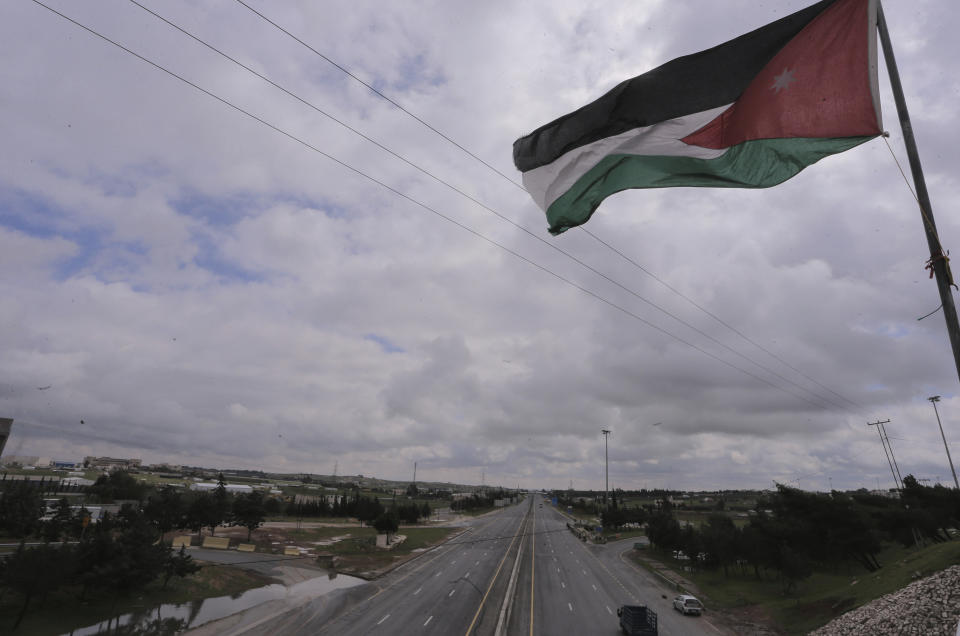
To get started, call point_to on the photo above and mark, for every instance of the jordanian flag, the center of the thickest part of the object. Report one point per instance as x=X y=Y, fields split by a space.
x=749 y=113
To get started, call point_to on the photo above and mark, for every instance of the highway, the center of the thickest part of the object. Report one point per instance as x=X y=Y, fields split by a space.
x=567 y=586
x=556 y=585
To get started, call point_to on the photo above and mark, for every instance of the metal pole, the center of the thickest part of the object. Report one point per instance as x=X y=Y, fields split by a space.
x=892 y=456
x=884 y=444
x=934 y=400
x=606 y=454
x=938 y=258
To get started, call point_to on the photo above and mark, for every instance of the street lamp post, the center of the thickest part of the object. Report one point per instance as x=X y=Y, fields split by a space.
x=934 y=400
x=606 y=456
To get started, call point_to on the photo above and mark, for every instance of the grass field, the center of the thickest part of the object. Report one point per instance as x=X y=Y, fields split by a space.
x=825 y=595
x=63 y=612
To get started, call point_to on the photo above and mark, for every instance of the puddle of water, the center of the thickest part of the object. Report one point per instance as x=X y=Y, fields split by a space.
x=170 y=619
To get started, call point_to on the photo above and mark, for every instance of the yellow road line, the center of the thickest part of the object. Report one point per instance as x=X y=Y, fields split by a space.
x=495 y=575
x=533 y=549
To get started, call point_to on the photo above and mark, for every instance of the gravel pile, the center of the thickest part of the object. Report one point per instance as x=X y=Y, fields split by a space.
x=928 y=606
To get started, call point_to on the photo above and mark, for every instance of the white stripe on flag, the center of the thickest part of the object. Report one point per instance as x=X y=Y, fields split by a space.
x=547 y=183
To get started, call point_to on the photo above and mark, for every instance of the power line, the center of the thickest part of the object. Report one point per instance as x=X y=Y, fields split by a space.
x=515 y=183
x=499 y=215
x=426 y=207
x=712 y=315
x=344 y=70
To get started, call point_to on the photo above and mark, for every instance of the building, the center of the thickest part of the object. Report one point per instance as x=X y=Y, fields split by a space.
x=231 y=488
x=111 y=464
x=6 y=423
x=76 y=481
x=26 y=460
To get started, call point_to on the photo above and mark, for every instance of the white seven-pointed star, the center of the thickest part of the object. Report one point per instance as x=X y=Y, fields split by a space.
x=783 y=80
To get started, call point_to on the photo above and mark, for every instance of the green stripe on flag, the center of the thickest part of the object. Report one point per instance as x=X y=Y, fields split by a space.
x=753 y=164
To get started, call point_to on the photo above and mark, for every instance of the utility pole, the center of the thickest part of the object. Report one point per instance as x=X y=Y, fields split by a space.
x=892 y=456
x=934 y=400
x=879 y=424
x=938 y=263
x=606 y=454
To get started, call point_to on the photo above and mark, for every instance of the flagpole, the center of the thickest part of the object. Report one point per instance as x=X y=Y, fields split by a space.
x=938 y=259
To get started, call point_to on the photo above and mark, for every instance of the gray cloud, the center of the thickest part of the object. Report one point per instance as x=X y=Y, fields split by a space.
x=200 y=289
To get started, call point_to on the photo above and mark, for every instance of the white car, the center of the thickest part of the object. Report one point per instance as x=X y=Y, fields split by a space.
x=686 y=604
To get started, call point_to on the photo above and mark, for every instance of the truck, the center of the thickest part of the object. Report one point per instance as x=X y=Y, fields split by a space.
x=637 y=620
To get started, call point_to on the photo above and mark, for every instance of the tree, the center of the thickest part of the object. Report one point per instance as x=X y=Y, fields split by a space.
x=664 y=531
x=220 y=505
x=412 y=490
x=54 y=528
x=272 y=506
x=140 y=557
x=721 y=539
x=33 y=571
x=119 y=484
x=367 y=510
x=386 y=524
x=249 y=511
x=794 y=567
x=200 y=512
x=613 y=517
x=166 y=510
x=21 y=508
x=178 y=564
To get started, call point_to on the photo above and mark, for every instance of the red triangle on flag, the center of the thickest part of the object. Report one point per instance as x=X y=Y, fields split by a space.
x=822 y=84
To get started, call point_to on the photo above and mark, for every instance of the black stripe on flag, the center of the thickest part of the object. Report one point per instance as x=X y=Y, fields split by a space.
x=686 y=85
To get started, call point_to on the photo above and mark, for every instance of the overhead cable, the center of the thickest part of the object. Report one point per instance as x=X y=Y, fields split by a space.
x=482 y=205
x=427 y=208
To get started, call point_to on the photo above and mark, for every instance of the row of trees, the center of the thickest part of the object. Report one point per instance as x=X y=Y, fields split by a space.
x=803 y=530
x=172 y=509
x=169 y=508
x=22 y=508
x=364 y=509
x=117 y=555
x=476 y=501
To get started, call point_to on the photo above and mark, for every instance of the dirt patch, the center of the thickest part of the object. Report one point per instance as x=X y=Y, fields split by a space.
x=226 y=581
x=749 y=620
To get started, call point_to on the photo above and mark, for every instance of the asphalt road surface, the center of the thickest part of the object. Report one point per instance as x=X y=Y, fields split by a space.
x=568 y=587
x=519 y=569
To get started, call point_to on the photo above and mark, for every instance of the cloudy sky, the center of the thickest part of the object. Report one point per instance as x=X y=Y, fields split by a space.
x=194 y=286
